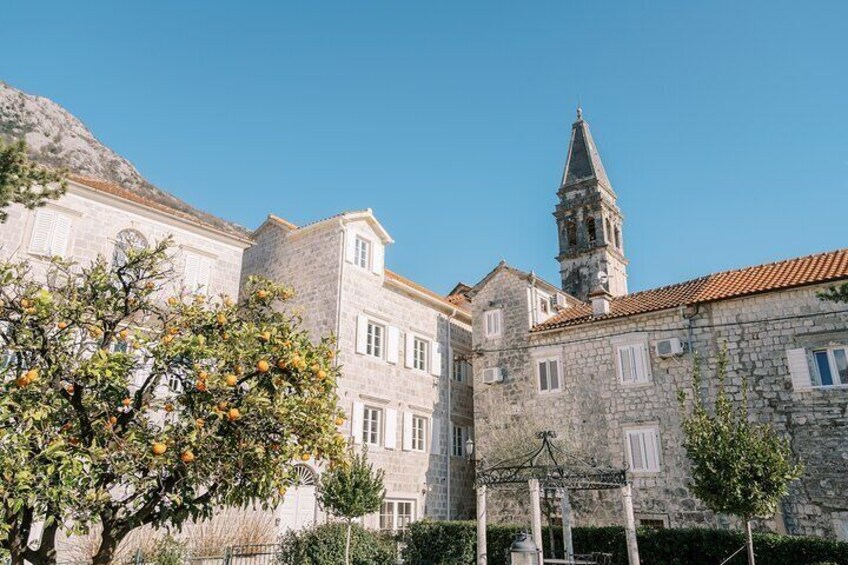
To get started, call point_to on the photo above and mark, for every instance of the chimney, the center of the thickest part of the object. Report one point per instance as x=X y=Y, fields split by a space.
x=600 y=298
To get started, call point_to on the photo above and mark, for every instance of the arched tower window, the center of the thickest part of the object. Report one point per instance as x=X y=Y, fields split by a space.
x=571 y=233
x=126 y=241
x=591 y=230
x=617 y=238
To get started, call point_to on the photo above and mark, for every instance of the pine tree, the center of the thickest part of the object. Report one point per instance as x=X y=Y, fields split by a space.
x=24 y=182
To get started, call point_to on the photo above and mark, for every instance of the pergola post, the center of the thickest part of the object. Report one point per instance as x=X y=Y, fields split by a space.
x=536 y=514
x=630 y=525
x=567 y=542
x=481 y=525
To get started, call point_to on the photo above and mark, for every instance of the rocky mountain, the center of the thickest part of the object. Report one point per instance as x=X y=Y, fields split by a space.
x=58 y=138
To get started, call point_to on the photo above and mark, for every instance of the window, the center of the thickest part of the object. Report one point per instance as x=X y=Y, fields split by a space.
x=50 y=233
x=419 y=433
x=457 y=441
x=831 y=366
x=395 y=515
x=634 y=363
x=545 y=305
x=461 y=369
x=549 y=375
x=591 y=230
x=371 y=425
x=374 y=340
x=419 y=354
x=643 y=449
x=125 y=242
x=618 y=238
x=493 y=321
x=571 y=233
x=198 y=269
x=609 y=231
x=656 y=523
x=362 y=252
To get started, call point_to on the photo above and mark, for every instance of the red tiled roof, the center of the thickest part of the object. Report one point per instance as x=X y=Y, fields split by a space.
x=791 y=273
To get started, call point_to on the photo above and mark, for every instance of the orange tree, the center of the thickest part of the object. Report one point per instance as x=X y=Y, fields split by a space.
x=123 y=407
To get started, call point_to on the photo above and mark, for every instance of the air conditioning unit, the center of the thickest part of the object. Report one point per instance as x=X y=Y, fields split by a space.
x=669 y=347
x=492 y=375
x=559 y=301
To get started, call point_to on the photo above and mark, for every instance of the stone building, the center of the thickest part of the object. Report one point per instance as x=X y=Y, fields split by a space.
x=404 y=352
x=605 y=372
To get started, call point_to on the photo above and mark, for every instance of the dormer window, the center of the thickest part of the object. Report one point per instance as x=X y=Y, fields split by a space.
x=362 y=252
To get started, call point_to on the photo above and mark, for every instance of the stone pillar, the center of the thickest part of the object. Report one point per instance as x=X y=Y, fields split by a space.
x=481 y=525
x=630 y=526
x=567 y=542
x=536 y=515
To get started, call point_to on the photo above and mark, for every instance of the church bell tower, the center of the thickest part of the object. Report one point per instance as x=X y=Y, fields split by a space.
x=591 y=244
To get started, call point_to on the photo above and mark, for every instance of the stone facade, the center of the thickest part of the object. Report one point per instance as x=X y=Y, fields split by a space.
x=339 y=296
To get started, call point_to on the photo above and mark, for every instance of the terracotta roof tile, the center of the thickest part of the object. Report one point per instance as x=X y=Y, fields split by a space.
x=813 y=269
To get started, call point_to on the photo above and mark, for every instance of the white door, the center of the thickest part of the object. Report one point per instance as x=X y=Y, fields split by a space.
x=298 y=509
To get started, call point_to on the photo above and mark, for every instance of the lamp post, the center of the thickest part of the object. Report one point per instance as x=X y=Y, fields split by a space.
x=523 y=550
x=469 y=449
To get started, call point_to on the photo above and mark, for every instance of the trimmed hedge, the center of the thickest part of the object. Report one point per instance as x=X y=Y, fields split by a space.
x=324 y=544
x=454 y=543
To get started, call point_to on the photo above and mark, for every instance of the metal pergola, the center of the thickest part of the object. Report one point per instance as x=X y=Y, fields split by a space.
x=550 y=467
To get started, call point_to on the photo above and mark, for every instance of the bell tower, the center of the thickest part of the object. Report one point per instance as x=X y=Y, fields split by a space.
x=589 y=222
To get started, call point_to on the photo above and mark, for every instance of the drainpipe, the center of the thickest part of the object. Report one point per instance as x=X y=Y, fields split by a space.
x=339 y=298
x=449 y=424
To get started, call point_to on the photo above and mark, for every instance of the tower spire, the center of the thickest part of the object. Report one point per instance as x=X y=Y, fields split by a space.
x=583 y=162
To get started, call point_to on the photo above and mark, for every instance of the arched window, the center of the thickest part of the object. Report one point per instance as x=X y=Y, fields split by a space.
x=126 y=241
x=571 y=233
x=591 y=229
x=303 y=476
x=618 y=238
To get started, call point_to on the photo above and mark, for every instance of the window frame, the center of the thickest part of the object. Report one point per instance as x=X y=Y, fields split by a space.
x=362 y=248
x=372 y=425
x=495 y=314
x=419 y=433
x=650 y=467
x=464 y=369
x=457 y=441
x=390 y=512
x=547 y=361
x=375 y=345
x=833 y=367
x=420 y=353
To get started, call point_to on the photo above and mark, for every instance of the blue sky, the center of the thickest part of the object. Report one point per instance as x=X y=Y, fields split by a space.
x=723 y=125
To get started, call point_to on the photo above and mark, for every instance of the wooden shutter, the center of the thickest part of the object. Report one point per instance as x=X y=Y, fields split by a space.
x=554 y=374
x=390 y=437
x=542 y=367
x=407 y=431
x=350 y=246
x=204 y=272
x=435 y=436
x=635 y=444
x=361 y=333
x=392 y=344
x=191 y=269
x=61 y=235
x=623 y=363
x=638 y=359
x=435 y=359
x=377 y=251
x=42 y=227
x=652 y=450
x=799 y=369
x=646 y=362
x=409 y=351
x=356 y=422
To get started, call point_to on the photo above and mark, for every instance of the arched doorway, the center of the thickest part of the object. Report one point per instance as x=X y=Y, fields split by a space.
x=298 y=510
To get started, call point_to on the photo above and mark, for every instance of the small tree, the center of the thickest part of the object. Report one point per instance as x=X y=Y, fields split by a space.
x=352 y=490
x=25 y=182
x=837 y=293
x=738 y=467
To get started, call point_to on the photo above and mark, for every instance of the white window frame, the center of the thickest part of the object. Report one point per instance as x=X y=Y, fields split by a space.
x=362 y=252
x=832 y=365
x=635 y=373
x=493 y=323
x=647 y=438
x=419 y=433
x=390 y=512
x=56 y=242
x=199 y=280
x=458 y=436
x=375 y=341
x=461 y=368
x=547 y=362
x=372 y=425
x=420 y=353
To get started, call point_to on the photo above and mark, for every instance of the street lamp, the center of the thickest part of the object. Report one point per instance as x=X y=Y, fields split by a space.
x=523 y=551
x=469 y=448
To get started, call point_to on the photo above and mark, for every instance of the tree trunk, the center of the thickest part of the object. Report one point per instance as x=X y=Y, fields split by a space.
x=18 y=536
x=749 y=538
x=110 y=538
x=347 y=542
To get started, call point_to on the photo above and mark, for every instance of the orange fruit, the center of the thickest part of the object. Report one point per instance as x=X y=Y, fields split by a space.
x=173 y=331
x=222 y=405
x=281 y=364
x=168 y=339
x=22 y=381
x=126 y=402
x=202 y=375
x=233 y=414
x=25 y=303
x=159 y=448
x=30 y=310
x=70 y=389
x=169 y=407
x=282 y=491
x=199 y=422
x=32 y=375
x=200 y=386
x=62 y=325
x=123 y=334
x=262 y=294
x=73 y=441
x=221 y=319
x=265 y=336
x=263 y=366
x=305 y=457
x=340 y=421
x=186 y=457
x=321 y=374
x=172 y=301
x=112 y=420
x=231 y=380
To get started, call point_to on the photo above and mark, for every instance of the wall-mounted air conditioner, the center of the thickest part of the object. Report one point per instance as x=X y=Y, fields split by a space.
x=669 y=347
x=492 y=375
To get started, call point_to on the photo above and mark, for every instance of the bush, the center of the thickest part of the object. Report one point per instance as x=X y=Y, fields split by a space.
x=455 y=543
x=325 y=544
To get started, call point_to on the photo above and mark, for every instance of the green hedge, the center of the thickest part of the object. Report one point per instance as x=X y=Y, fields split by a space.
x=454 y=543
x=324 y=544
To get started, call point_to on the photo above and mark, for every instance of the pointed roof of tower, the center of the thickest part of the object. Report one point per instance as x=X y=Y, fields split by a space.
x=583 y=162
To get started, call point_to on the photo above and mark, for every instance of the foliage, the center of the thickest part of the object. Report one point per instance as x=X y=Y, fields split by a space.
x=127 y=403
x=738 y=467
x=454 y=543
x=353 y=489
x=837 y=293
x=326 y=544
x=169 y=551
x=24 y=182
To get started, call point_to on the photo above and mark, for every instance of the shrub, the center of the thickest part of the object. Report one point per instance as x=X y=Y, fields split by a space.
x=325 y=544
x=455 y=543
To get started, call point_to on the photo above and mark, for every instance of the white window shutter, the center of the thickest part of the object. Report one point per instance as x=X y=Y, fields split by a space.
x=392 y=345
x=41 y=229
x=361 y=333
x=799 y=369
x=653 y=443
x=204 y=272
x=435 y=436
x=622 y=357
x=61 y=235
x=409 y=353
x=350 y=246
x=356 y=422
x=390 y=437
x=635 y=447
x=638 y=359
x=436 y=359
x=191 y=269
x=407 y=431
x=646 y=362
x=377 y=252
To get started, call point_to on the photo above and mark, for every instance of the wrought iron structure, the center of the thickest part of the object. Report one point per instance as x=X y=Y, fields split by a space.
x=553 y=468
